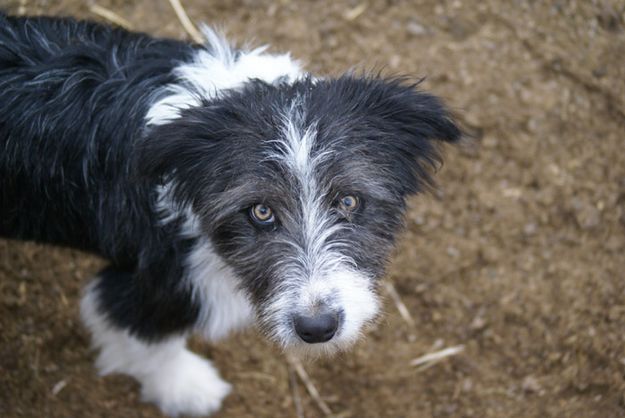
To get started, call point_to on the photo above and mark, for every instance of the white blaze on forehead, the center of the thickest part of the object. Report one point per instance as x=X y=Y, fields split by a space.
x=296 y=153
x=218 y=67
x=298 y=148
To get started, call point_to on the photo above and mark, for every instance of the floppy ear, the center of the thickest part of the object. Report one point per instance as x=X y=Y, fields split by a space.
x=404 y=126
x=186 y=151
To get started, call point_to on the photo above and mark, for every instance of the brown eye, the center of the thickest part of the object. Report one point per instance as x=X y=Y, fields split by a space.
x=349 y=203
x=262 y=214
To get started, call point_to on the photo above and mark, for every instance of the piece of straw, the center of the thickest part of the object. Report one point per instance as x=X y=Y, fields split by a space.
x=352 y=14
x=186 y=22
x=310 y=387
x=401 y=307
x=110 y=16
x=428 y=360
x=297 y=400
x=58 y=387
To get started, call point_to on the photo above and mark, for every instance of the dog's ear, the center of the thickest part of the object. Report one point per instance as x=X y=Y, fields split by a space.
x=403 y=125
x=187 y=151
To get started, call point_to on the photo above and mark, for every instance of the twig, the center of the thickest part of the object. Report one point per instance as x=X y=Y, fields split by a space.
x=297 y=400
x=353 y=14
x=401 y=307
x=58 y=387
x=258 y=376
x=428 y=360
x=110 y=16
x=310 y=387
x=186 y=22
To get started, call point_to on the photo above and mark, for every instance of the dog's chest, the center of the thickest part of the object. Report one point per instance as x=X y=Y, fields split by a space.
x=223 y=306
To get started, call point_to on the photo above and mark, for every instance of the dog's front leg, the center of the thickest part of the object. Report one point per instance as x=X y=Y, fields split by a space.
x=171 y=376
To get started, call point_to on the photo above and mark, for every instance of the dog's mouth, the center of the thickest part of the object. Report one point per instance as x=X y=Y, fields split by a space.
x=322 y=334
x=302 y=349
x=320 y=316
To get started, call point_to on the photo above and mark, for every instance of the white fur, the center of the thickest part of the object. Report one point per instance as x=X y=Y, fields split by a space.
x=215 y=69
x=186 y=384
x=223 y=306
x=177 y=380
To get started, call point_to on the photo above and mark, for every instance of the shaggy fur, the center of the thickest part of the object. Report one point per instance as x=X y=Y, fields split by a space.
x=153 y=153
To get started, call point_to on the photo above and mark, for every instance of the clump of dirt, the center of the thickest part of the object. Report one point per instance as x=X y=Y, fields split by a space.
x=518 y=256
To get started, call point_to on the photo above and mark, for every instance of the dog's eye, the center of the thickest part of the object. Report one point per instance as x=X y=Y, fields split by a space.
x=262 y=214
x=348 y=203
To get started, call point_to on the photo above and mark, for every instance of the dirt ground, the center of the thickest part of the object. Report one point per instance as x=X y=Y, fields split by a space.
x=519 y=256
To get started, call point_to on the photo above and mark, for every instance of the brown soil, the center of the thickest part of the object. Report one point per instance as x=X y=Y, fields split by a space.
x=518 y=256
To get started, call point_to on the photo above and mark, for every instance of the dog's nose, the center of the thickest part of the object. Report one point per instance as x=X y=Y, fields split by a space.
x=318 y=328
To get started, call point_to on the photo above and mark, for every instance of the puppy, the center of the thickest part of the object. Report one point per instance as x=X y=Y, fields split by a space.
x=226 y=187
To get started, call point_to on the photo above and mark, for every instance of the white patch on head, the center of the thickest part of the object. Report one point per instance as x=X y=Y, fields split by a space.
x=171 y=376
x=216 y=68
x=320 y=274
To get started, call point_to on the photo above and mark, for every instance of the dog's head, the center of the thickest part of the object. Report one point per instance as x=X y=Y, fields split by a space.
x=301 y=187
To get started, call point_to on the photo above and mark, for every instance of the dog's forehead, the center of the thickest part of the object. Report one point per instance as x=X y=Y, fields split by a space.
x=293 y=154
x=282 y=141
x=267 y=109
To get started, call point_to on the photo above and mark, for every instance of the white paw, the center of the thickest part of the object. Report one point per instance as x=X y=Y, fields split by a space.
x=187 y=385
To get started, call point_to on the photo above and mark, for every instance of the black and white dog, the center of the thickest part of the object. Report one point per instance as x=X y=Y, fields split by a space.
x=226 y=187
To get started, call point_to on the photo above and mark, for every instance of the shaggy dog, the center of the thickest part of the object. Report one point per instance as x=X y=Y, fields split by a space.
x=226 y=187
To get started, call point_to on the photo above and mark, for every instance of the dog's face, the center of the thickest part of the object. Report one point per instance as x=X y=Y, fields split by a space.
x=301 y=188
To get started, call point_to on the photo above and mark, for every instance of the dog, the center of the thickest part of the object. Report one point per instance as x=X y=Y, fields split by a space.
x=226 y=187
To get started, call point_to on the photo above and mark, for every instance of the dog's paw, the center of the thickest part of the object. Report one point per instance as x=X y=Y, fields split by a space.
x=187 y=385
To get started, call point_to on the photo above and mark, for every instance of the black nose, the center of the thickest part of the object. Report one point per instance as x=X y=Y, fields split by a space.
x=318 y=328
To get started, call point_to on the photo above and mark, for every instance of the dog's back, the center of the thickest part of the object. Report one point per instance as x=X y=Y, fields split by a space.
x=73 y=97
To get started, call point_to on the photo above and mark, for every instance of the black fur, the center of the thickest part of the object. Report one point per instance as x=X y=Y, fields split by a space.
x=73 y=96
x=79 y=168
